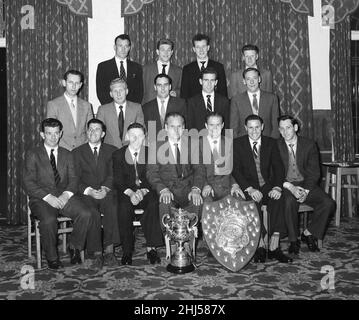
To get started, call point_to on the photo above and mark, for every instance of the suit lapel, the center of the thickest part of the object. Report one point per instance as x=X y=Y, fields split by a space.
x=299 y=156
x=89 y=156
x=68 y=113
x=284 y=153
x=262 y=105
x=247 y=103
x=80 y=115
x=45 y=160
x=114 y=120
x=129 y=117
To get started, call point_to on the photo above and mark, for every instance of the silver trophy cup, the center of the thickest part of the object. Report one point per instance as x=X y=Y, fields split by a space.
x=181 y=228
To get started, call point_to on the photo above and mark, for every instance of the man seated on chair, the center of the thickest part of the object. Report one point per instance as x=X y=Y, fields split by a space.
x=258 y=169
x=134 y=192
x=93 y=164
x=301 y=160
x=51 y=184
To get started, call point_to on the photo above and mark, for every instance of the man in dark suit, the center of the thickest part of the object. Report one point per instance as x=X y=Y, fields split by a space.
x=258 y=169
x=162 y=65
x=119 y=114
x=93 y=164
x=301 y=160
x=120 y=67
x=135 y=192
x=71 y=110
x=51 y=184
x=174 y=176
x=190 y=85
x=250 y=55
x=206 y=102
x=164 y=103
x=254 y=101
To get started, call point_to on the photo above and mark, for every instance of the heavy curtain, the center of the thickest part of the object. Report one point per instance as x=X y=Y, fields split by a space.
x=341 y=96
x=36 y=61
x=274 y=26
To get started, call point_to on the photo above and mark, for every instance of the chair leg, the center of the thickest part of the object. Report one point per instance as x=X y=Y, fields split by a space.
x=64 y=238
x=349 y=190
x=320 y=244
x=38 y=246
x=29 y=236
x=338 y=196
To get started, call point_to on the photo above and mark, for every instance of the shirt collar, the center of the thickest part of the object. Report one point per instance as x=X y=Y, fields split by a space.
x=200 y=64
x=95 y=145
x=119 y=60
x=166 y=100
x=159 y=64
x=48 y=149
x=69 y=99
x=123 y=105
x=293 y=142
x=259 y=141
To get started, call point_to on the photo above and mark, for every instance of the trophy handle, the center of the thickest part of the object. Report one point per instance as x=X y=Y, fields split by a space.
x=195 y=221
x=165 y=217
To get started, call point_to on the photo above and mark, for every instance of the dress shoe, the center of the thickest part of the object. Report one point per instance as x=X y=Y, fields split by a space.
x=75 y=256
x=310 y=241
x=126 y=259
x=260 y=255
x=110 y=260
x=294 y=247
x=153 y=256
x=97 y=263
x=55 y=264
x=279 y=255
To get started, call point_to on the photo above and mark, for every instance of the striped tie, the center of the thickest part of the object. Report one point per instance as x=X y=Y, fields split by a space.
x=255 y=151
x=209 y=103
x=54 y=169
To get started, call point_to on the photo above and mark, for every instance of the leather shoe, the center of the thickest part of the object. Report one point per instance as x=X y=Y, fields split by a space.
x=97 y=262
x=55 y=264
x=260 y=255
x=153 y=256
x=110 y=260
x=294 y=247
x=279 y=255
x=75 y=256
x=126 y=259
x=310 y=241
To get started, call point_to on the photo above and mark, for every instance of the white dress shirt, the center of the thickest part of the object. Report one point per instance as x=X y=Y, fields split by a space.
x=250 y=96
x=72 y=101
x=118 y=63
x=205 y=94
x=123 y=109
x=160 y=67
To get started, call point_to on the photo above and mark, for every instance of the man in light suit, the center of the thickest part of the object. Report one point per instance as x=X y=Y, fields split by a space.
x=254 y=101
x=51 y=183
x=206 y=102
x=122 y=67
x=250 y=54
x=93 y=165
x=71 y=110
x=156 y=109
x=119 y=114
x=163 y=65
x=190 y=85
x=302 y=167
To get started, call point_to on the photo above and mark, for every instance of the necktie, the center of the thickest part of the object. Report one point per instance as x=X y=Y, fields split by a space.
x=120 y=122
x=291 y=148
x=73 y=109
x=202 y=67
x=164 y=68
x=163 y=113
x=215 y=151
x=255 y=103
x=122 y=71
x=138 y=182
x=54 y=169
x=95 y=154
x=178 y=161
x=209 y=103
x=255 y=151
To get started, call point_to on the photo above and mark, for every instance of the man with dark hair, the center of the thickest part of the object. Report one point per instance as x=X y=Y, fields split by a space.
x=254 y=101
x=119 y=114
x=250 y=55
x=120 y=67
x=134 y=192
x=258 y=169
x=71 y=110
x=302 y=168
x=162 y=65
x=156 y=109
x=207 y=102
x=51 y=184
x=190 y=85
x=93 y=165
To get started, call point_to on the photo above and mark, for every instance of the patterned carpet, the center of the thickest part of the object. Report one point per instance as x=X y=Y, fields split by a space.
x=274 y=281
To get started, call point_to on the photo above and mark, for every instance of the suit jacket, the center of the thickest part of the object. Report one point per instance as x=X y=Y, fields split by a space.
x=90 y=174
x=151 y=113
x=236 y=84
x=73 y=136
x=307 y=158
x=244 y=167
x=197 y=111
x=107 y=114
x=190 y=85
x=150 y=71
x=124 y=173
x=220 y=183
x=39 y=178
x=107 y=71
x=268 y=110
x=162 y=172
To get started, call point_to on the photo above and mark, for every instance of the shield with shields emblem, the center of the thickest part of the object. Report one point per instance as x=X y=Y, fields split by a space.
x=231 y=228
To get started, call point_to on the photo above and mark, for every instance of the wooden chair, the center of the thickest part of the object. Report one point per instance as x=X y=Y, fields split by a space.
x=33 y=231
x=303 y=208
x=138 y=214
